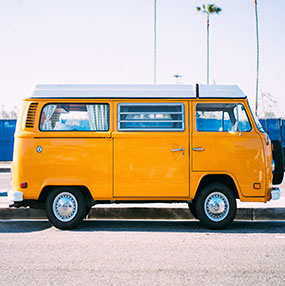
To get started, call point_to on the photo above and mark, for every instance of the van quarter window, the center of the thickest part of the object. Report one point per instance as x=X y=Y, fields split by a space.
x=221 y=117
x=75 y=117
x=151 y=117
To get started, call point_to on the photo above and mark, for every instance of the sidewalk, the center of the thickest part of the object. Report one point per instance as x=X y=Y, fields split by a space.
x=273 y=210
x=5 y=167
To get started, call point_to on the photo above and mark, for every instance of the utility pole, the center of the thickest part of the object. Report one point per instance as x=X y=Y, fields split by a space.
x=154 y=56
x=208 y=47
x=257 y=58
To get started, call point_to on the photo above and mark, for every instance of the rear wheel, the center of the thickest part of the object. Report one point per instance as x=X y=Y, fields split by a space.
x=65 y=207
x=216 y=206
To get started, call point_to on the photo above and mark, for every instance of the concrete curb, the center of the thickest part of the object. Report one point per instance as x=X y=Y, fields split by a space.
x=5 y=169
x=146 y=213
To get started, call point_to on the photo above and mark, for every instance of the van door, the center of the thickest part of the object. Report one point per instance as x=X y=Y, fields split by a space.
x=151 y=150
x=225 y=142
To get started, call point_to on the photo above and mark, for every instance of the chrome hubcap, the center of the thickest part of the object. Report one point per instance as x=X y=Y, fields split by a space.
x=65 y=207
x=216 y=206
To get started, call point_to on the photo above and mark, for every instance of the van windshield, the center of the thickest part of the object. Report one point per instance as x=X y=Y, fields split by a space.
x=257 y=122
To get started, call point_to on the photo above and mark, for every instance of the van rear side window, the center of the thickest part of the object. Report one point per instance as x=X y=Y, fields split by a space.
x=75 y=117
x=151 y=117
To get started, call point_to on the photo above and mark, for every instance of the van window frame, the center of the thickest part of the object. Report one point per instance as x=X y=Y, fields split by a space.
x=182 y=129
x=223 y=131
x=83 y=103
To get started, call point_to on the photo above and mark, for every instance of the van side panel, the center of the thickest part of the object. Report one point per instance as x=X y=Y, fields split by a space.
x=66 y=162
x=75 y=161
x=145 y=166
x=61 y=159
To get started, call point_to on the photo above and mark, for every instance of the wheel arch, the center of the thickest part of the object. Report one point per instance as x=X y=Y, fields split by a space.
x=86 y=192
x=218 y=178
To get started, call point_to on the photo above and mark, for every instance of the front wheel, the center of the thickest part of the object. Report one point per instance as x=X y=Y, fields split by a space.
x=65 y=207
x=216 y=206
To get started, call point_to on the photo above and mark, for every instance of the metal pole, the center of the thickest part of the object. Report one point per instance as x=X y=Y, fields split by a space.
x=208 y=46
x=154 y=71
x=257 y=59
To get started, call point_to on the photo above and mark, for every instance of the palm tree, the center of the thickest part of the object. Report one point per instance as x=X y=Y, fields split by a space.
x=208 y=9
x=257 y=57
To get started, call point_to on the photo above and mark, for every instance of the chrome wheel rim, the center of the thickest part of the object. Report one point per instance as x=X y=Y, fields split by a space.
x=65 y=207
x=216 y=206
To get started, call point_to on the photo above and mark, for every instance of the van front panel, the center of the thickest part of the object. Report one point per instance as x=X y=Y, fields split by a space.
x=225 y=141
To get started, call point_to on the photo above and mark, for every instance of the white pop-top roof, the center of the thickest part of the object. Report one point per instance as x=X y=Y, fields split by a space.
x=136 y=91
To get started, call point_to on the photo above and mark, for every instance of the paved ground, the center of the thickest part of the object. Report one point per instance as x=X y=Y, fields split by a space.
x=5 y=181
x=142 y=253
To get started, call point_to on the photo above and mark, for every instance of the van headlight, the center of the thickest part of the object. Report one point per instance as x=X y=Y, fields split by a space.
x=273 y=166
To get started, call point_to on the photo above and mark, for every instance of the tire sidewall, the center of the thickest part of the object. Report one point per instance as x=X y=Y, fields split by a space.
x=192 y=209
x=205 y=192
x=81 y=210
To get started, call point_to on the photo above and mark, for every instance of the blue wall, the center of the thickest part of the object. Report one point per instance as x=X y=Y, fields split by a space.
x=7 y=130
x=275 y=128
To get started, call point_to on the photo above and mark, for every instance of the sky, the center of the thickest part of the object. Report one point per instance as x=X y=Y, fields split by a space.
x=111 y=41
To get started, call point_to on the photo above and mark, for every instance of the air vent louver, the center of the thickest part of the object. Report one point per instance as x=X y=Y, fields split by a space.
x=31 y=115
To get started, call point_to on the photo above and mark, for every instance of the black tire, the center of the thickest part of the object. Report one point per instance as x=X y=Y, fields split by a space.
x=192 y=208
x=283 y=149
x=278 y=158
x=216 y=218
x=65 y=207
x=87 y=211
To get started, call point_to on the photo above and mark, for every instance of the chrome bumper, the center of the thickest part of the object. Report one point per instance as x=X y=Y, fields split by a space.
x=275 y=194
x=15 y=196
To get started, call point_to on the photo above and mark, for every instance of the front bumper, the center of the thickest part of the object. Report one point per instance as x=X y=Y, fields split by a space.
x=275 y=194
x=15 y=196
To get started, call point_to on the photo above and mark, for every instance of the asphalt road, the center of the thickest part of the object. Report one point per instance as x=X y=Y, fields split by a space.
x=142 y=253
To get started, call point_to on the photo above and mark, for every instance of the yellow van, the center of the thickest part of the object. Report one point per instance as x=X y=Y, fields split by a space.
x=81 y=145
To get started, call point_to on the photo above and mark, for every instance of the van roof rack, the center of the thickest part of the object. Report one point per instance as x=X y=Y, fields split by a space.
x=122 y=91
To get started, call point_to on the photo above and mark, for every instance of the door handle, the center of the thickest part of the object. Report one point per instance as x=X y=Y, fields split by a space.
x=177 y=150
x=198 y=149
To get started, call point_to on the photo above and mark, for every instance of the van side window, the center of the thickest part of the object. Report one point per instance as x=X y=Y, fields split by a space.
x=151 y=117
x=75 y=117
x=221 y=117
